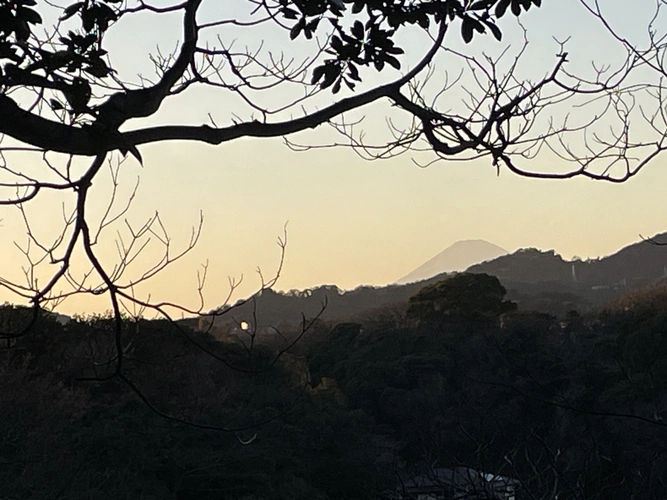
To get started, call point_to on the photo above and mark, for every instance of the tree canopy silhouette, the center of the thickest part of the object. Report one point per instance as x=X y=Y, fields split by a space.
x=70 y=73
x=466 y=298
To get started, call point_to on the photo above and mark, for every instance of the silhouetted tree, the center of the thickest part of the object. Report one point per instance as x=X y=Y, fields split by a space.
x=465 y=298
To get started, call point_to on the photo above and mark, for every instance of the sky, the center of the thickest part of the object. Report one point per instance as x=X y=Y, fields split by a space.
x=349 y=221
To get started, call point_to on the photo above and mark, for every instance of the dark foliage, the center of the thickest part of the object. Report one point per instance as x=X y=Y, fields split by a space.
x=570 y=406
x=469 y=299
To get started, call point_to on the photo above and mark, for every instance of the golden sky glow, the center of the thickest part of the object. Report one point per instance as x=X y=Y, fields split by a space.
x=351 y=221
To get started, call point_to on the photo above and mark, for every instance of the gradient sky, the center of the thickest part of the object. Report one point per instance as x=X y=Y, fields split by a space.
x=351 y=221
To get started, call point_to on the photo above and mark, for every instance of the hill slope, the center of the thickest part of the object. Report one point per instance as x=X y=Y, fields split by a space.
x=637 y=264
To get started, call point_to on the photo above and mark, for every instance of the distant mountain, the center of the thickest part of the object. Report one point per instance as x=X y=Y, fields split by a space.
x=458 y=257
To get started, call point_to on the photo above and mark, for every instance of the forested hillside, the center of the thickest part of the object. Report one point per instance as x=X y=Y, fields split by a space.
x=535 y=279
x=569 y=406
